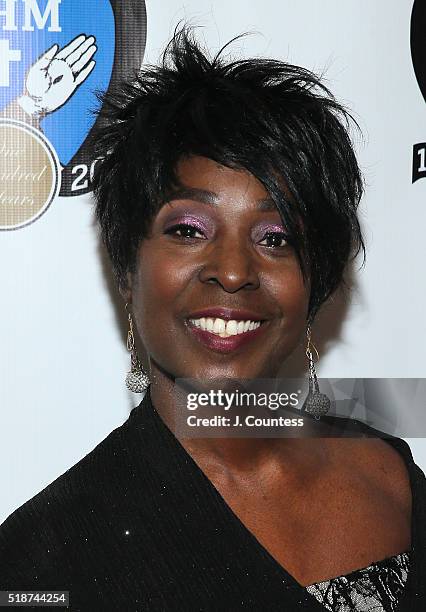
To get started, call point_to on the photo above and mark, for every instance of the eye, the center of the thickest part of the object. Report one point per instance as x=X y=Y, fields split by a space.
x=186 y=231
x=276 y=240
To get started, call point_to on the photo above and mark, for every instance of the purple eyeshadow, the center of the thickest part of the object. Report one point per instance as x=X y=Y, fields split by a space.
x=268 y=228
x=273 y=228
x=206 y=225
x=202 y=224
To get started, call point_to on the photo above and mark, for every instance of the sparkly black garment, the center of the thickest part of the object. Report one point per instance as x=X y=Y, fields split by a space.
x=137 y=526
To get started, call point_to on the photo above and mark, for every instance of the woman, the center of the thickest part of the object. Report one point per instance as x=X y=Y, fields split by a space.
x=226 y=193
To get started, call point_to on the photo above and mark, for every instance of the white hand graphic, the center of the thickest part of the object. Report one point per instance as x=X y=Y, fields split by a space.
x=55 y=76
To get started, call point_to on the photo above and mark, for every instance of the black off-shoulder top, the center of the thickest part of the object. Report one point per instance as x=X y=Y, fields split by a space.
x=136 y=525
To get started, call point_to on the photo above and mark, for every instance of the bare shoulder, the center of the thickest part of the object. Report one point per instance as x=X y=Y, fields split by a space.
x=380 y=465
x=387 y=467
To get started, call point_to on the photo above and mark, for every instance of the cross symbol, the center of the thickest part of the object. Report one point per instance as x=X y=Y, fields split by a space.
x=7 y=55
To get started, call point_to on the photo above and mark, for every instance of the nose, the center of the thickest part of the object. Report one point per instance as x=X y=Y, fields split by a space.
x=230 y=262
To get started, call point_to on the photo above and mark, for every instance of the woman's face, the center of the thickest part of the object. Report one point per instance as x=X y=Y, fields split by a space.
x=218 y=244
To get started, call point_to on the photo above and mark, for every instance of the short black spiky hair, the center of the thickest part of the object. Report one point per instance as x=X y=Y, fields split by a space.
x=276 y=120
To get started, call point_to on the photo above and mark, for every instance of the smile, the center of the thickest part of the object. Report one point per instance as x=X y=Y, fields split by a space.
x=222 y=335
x=225 y=328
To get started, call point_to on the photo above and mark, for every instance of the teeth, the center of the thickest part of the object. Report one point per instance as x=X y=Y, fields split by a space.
x=231 y=328
x=223 y=328
x=219 y=326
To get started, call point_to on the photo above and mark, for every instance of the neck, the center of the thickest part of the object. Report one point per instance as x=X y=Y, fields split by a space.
x=296 y=457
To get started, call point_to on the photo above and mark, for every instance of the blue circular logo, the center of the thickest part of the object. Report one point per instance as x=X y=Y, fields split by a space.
x=54 y=56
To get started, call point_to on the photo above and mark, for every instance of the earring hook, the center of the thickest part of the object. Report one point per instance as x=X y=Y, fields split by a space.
x=310 y=345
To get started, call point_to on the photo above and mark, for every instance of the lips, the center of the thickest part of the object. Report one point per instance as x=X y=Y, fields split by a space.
x=224 y=345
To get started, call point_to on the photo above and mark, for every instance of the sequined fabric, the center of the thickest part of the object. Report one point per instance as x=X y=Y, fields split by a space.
x=376 y=588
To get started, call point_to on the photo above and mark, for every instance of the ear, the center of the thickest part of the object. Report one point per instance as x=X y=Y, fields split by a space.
x=125 y=289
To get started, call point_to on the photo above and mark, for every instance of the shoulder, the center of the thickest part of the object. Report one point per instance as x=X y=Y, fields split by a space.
x=392 y=460
x=386 y=464
x=373 y=445
x=387 y=469
x=38 y=539
x=382 y=461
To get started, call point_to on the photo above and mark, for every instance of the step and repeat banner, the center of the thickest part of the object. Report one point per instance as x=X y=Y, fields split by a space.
x=62 y=323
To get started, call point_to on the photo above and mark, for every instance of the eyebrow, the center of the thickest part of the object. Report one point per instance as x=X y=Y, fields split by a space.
x=211 y=198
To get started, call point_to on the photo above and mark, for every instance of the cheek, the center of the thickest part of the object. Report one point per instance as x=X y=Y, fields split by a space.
x=156 y=286
x=292 y=295
x=295 y=297
x=289 y=290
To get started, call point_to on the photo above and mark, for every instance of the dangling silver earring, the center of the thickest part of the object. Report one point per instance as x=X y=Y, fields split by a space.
x=137 y=380
x=316 y=403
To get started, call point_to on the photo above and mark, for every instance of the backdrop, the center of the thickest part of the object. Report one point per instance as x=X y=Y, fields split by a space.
x=63 y=355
